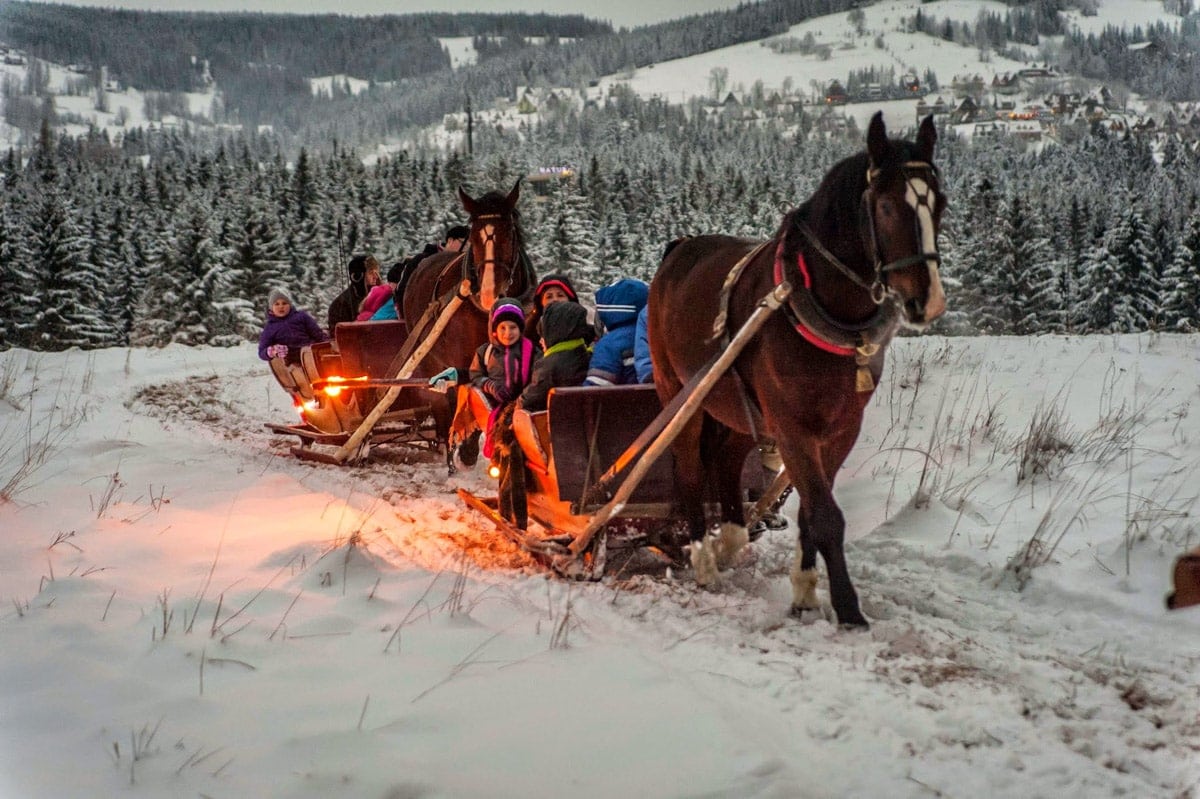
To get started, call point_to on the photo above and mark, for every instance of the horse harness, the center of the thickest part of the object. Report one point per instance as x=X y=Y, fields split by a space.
x=810 y=320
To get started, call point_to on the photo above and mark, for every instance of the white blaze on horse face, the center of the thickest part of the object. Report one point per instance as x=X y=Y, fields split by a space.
x=487 y=281
x=921 y=200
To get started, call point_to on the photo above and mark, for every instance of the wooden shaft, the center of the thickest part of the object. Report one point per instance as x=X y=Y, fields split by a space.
x=766 y=306
x=364 y=428
x=773 y=492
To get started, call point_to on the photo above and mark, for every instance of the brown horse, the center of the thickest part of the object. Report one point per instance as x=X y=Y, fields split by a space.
x=494 y=264
x=861 y=258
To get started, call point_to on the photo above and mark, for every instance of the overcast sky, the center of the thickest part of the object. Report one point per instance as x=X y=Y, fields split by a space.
x=621 y=13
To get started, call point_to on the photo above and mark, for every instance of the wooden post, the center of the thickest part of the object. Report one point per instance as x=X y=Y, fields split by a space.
x=418 y=355
x=766 y=306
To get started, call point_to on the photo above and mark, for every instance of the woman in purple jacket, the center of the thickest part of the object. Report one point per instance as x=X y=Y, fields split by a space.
x=288 y=329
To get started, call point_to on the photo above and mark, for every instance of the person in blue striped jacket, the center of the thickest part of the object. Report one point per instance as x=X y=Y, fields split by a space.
x=617 y=308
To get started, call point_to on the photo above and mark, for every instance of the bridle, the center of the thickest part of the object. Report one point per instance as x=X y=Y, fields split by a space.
x=472 y=268
x=920 y=179
x=488 y=230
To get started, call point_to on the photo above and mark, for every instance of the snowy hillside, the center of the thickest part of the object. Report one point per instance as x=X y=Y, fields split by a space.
x=850 y=49
x=882 y=40
x=191 y=611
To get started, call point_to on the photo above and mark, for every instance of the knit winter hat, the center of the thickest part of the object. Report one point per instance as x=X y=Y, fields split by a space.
x=359 y=266
x=394 y=274
x=279 y=293
x=506 y=309
x=555 y=281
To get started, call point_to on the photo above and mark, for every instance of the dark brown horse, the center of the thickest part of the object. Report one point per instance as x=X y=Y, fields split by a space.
x=494 y=264
x=861 y=258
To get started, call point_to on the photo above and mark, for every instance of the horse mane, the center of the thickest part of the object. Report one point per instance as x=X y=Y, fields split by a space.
x=838 y=199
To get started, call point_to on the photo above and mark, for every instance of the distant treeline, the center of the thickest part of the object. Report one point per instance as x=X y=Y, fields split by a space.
x=260 y=61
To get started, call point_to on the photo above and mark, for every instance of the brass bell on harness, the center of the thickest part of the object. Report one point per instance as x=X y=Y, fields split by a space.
x=863 y=381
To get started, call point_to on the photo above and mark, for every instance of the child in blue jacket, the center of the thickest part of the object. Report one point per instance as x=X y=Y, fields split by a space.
x=617 y=307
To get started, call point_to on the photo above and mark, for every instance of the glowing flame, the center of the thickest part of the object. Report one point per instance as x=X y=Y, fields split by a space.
x=311 y=405
x=494 y=472
x=333 y=391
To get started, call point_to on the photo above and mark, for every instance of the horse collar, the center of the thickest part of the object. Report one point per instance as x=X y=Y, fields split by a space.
x=817 y=327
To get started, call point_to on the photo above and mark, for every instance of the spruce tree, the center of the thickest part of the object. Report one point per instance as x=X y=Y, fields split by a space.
x=1181 y=296
x=64 y=287
x=18 y=307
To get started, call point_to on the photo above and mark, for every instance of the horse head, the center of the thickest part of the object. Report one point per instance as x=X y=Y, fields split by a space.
x=495 y=260
x=902 y=212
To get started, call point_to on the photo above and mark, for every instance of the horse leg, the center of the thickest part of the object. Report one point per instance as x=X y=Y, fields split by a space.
x=822 y=529
x=689 y=486
x=733 y=535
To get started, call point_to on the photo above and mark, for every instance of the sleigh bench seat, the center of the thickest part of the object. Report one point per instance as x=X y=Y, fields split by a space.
x=590 y=426
x=367 y=348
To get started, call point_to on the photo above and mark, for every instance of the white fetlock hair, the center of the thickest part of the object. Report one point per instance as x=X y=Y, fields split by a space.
x=804 y=584
x=729 y=542
x=704 y=562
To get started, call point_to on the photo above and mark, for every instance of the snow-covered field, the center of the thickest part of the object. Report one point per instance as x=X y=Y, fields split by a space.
x=190 y=611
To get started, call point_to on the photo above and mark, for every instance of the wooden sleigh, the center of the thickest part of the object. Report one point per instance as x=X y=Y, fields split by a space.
x=337 y=383
x=1186 y=580
x=367 y=407
x=598 y=471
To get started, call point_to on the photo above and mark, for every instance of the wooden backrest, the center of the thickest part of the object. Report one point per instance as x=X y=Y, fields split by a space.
x=610 y=418
x=533 y=434
x=367 y=348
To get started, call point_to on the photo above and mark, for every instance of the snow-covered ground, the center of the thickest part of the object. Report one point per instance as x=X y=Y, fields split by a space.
x=189 y=610
x=125 y=107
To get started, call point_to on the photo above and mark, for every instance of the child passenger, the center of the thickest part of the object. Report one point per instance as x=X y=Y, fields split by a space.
x=617 y=306
x=555 y=287
x=503 y=366
x=565 y=360
x=288 y=329
x=500 y=371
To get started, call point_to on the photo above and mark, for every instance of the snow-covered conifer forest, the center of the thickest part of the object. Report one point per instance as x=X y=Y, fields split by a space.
x=175 y=234
x=164 y=240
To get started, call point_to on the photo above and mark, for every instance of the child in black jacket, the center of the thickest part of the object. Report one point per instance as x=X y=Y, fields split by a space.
x=565 y=359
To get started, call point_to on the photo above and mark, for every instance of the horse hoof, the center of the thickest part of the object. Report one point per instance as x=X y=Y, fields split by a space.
x=853 y=621
x=729 y=542
x=806 y=615
x=468 y=451
x=704 y=563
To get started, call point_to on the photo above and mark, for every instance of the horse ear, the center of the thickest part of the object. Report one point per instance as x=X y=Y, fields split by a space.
x=468 y=203
x=926 y=138
x=877 y=143
x=515 y=194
